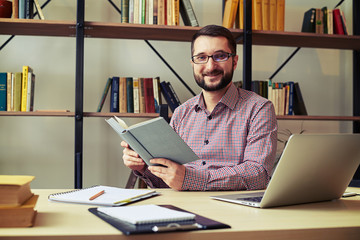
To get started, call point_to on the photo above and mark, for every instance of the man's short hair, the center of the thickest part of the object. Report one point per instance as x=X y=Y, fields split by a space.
x=215 y=31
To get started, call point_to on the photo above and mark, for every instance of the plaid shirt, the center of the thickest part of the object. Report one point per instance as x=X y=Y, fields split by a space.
x=236 y=142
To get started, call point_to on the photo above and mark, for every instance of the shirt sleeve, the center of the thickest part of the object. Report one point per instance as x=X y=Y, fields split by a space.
x=255 y=169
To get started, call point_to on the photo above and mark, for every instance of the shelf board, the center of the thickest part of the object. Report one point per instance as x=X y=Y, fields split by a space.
x=39 y=114
x=308 y=40
x=152 y=115
x=319 y=118
x=34 y=27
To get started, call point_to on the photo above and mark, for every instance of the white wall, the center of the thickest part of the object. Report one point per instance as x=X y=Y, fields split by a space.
x=44 y=146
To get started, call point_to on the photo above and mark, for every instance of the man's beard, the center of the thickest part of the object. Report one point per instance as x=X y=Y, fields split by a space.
x=225 y=80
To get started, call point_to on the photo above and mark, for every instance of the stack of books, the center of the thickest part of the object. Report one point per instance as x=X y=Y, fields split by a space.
x=17 y=202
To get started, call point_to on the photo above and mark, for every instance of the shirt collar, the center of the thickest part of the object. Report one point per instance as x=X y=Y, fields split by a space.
x=230 y=99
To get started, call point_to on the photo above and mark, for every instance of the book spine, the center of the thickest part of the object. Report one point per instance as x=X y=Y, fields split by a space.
x=9 y=90
x=174 y=95
x=114 y=97
x=280 y=15
x=338 y=28
x=187 y=13
x=29 y=89
x=265 y=8
x=130 y=95
x=149 y=95
x=104 y=94
x=230 y=9
x=299 y=104
x=309 y=21
x=136 y=95
x=122 y=95
x=141 y=95
x=17 y=91
x=124 y=11
x=157 y=95
x=257 y=15
x=167 y=95
x=24 y=88
x=291 y=98
x=3 y=92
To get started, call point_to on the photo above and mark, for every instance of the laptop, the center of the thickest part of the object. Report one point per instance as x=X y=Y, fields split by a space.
x=312 y=168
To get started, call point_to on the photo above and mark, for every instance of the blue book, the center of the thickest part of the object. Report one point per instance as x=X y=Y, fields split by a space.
x=104 y=94
x=114 y=97
x=3 y=92
x=291 y=98
x=170 y=99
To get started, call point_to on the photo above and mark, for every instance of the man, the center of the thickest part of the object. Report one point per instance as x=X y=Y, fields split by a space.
x=233 y=131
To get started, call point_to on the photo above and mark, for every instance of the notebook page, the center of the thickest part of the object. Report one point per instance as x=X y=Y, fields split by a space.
x=143 y=214
x=112 y=195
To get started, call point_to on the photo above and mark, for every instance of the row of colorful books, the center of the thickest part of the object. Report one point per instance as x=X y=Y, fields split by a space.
x=268 y=15
x=285 y=96
x=324 y=21
x=26 y=9
x=158 y=12
x=17 y=202
x=17 y=90
x=138 y=95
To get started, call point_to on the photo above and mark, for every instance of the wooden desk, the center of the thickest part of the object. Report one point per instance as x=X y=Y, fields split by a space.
x=339 y=219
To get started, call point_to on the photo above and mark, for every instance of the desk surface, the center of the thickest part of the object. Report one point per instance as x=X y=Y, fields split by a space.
x=338 y=219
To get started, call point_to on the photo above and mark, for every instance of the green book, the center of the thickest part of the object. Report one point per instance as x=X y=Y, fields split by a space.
x=154 y=138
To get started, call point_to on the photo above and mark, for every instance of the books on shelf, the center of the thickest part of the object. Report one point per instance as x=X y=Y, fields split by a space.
x=170 y=95
x=324 y=21
x=102 y=196
x=134 y=95
x=267 y=15
x=17 y=202
x=17 y=90
x=154 y=138
x=285 y=96
x=158 y=12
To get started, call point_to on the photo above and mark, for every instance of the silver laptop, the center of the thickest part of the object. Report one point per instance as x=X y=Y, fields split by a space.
x=312 y=168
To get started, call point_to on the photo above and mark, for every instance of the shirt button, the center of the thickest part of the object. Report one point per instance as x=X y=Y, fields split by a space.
x=209 y=117
x=203 y=163
x=206 y=142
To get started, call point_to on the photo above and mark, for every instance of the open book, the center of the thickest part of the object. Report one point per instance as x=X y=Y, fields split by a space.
x=154 y=138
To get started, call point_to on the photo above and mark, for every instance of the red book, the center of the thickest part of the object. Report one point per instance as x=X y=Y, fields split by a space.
x=338 y=26
x=149 y=95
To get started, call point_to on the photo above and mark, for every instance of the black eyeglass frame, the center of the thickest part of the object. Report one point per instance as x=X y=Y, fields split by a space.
x=229 y=55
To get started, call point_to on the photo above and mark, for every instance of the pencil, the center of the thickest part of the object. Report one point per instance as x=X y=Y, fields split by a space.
x=97 y=195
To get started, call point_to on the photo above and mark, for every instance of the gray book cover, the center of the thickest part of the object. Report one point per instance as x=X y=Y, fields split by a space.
x=154 y=138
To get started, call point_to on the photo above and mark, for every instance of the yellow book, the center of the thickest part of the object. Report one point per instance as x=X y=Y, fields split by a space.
x=230 y=9
x=265 y=7
x=24 y=87
x=122 y=95
x=257 y=15
x=241 y=14
x=17 y=91
x=280 y=15
x=272 y=15
x=20 y=216
x=15 y=189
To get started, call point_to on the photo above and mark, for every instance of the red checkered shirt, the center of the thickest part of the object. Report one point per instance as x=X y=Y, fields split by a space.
x=236 y=142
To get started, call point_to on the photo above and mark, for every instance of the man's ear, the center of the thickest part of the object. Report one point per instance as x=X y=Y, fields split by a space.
x=235 y=61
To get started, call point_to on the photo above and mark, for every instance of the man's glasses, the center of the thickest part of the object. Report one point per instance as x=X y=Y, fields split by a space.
x=217 y=57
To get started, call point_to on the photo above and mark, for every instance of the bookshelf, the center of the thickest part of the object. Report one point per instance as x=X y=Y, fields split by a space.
x=81 y=29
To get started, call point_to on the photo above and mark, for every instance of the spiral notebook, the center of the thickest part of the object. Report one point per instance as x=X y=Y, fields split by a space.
x=102 y=195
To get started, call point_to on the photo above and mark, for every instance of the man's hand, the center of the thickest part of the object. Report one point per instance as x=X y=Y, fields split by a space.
x=131 y=159
x=172 y=174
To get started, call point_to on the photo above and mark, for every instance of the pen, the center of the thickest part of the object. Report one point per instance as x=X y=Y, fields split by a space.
x=97 y=195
